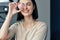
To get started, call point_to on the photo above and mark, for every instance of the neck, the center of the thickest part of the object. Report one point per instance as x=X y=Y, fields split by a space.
x=28 y=19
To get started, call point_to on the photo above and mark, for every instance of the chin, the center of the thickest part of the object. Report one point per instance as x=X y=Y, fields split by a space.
x=26 y=14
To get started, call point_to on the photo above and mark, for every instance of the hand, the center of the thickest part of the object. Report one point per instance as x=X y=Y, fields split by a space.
x=12 y=8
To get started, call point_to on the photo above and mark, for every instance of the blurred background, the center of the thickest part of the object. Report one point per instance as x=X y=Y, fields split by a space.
x=55 y=19
x=43 y=10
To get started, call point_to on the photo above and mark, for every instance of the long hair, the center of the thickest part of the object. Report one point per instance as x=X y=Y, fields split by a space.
x=34 y=13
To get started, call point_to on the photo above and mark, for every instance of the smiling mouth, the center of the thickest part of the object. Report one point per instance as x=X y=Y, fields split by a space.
x=26 y=11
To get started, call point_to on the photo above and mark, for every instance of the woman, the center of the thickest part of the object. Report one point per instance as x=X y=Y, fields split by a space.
x=27 y=27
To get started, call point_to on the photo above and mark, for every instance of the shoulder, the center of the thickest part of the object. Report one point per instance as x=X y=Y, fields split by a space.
x=17 y=23
x=41 y=25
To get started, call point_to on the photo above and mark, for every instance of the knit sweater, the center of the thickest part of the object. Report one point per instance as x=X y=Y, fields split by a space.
x=37 y=32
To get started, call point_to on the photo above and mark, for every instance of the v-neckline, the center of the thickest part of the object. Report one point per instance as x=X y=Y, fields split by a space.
x=30 y=28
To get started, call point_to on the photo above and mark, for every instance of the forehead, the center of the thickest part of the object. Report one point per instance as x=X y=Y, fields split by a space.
x=24 y=1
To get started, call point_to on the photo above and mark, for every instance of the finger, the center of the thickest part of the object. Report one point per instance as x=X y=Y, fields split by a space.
x=13 y=3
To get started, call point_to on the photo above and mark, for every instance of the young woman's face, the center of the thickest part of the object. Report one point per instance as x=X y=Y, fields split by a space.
x=27 y=7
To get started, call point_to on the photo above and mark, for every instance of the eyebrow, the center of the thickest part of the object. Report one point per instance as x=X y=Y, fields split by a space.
x=28 y=2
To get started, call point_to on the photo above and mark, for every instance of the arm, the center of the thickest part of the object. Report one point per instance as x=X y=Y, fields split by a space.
x=6 y=38
x=11 y=32
x=5 y=27
x=41 y=33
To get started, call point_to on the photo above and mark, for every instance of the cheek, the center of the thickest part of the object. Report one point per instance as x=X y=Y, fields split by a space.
x=31 y=9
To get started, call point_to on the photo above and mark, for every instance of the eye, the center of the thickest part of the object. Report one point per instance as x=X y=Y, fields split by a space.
x=22 y=3
x=29 y=3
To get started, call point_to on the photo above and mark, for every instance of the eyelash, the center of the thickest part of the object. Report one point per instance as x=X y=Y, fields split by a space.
x=27 y=4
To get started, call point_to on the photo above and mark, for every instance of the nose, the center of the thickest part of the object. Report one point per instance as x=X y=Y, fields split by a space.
x=25 y=6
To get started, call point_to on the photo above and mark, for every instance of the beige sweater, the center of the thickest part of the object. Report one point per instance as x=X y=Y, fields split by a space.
x=38 y=32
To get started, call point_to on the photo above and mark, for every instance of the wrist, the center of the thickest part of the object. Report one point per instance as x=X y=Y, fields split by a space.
x=9 y=16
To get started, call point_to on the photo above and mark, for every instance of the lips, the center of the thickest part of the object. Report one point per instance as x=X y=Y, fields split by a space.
x=26 y=11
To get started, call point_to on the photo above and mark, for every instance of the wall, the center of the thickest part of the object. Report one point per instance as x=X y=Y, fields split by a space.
x=44 y=13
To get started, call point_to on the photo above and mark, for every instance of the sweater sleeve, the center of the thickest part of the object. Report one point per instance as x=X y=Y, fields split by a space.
x=12 y=30
x=41 y=32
